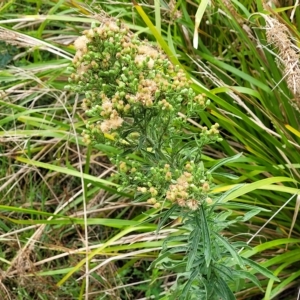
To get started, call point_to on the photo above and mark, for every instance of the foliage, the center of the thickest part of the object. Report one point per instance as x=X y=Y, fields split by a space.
x=60 y=211
x=130 y=87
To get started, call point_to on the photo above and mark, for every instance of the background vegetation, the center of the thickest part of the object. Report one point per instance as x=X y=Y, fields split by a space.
x=59 y=207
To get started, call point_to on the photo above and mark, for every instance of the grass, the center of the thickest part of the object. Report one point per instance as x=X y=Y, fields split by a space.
x=59 y=207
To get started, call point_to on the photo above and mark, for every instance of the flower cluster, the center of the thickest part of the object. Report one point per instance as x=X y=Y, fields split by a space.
x=134 y=96
x=125 y=81
x=188 y=188
x=211 y=135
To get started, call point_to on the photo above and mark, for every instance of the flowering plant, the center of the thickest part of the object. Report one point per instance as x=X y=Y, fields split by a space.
x=137 y=101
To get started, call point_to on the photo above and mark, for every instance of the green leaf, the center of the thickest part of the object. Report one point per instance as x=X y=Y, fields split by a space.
x=225 y=161
x=166 y=216
x=284 y=284
x=104 y=183
x=259 y=184
x=250 y=214
x=193 y=248
x=114 y=223
x=260 y=269
x=28 y=211
x=223 y=290
x=269 y=245
x=230 y=249
x=249 y=276
x=187 y=287
x=165 y=256
x=205 y=236
x=227 y=193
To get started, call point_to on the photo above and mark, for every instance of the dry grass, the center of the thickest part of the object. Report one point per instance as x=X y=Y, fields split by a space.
x=278 y=35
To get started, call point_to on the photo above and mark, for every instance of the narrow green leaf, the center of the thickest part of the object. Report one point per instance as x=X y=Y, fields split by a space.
x=260 y=269
x=230 y=249
x=225 y=161
x=205 y=237
x=249 y=276
x=193 y=248
x=67 y=171
x=157 y=16
x=166 y=216
x=166 y=255
x=268 y=245
x=227 y=193
x=237 y=205
x=284 y=284
x=187 y=287
x=224 y=290
x=269 y=289
x=114 y=223
x=250 y=214
x=22 y=210
x=247 y=188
